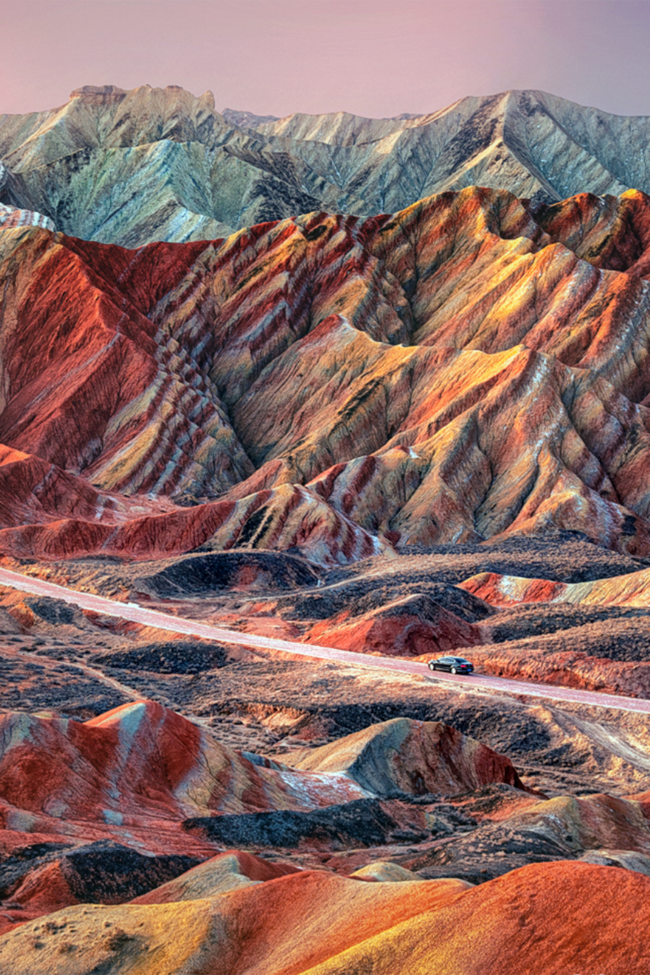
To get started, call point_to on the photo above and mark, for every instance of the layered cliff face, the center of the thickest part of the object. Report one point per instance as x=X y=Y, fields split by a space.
x=144 y=165
x=12 y=216
x=331 y=385
x=131 y=167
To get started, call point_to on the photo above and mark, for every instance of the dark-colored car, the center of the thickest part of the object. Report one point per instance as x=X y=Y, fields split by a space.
x=453 y=665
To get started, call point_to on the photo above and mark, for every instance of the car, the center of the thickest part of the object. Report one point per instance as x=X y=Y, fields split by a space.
x=453 y=665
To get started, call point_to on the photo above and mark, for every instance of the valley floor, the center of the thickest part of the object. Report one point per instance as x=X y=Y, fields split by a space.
x=578 y=801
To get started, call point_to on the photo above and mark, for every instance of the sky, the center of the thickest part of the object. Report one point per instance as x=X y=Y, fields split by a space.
x=372 y=57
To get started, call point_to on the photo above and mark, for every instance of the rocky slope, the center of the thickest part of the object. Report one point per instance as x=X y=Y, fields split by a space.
x=347 y=924
x=434 y=813
x=591 y=634
x=403 y=434
x=631 y=589
x=82 y=664
x=143 y=782
x=331 y=386
x=131 y=167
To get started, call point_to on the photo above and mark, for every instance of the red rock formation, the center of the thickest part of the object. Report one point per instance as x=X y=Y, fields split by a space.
x=573 y=915
x=410 y=756
x=610 y=232
x=596 y=655
x=132 y=167
x=142 y=764
x=408 y=627
x=631 y=589
x=132 y=768
x=331 y=385
x=137 y=774
x=14 y=217
x=227 y=871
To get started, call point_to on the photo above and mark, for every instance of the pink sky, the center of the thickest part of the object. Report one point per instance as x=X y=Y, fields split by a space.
x=371 y=57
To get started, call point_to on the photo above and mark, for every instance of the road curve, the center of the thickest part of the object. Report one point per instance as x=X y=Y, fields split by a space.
x=175 y=624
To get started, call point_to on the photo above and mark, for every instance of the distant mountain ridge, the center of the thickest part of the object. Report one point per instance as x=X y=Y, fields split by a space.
x=131 y=167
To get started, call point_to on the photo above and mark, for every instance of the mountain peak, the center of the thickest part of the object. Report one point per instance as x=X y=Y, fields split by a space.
x=98 y=93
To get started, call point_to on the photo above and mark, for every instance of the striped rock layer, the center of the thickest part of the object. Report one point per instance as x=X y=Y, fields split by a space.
x=13 y=217
x=460 y=370
x=144 y=779
x=632 y=589
x=142 y=769
x=139 y=770
x=135 y=773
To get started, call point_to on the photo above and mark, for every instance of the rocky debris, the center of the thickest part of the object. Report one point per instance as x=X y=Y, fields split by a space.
x=612 y=655
x=591 y=634
x=103 y=872
x=562 y=556
x=44 y=877
x=143 y=763
x=256 y=702
x=447 y=827
x=175 y=657
x=364 y=822
x=15 y=865
x=400 y=821
x=205 y=574
x=494 y=841
x=363 y=592
x=301 y=405
x=541 y=619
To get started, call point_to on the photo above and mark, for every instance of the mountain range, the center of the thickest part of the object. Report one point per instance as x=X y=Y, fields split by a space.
x=334 y=386
x=132 y=167
x=381 y=385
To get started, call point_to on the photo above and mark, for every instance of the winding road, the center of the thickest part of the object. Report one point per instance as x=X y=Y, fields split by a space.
x=175 y=624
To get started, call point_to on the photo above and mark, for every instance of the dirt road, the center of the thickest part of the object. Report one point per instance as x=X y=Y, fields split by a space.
x=174 y=624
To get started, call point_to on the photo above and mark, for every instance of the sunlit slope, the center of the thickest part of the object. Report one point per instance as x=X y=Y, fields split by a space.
x=317 y=923
x=337 y=386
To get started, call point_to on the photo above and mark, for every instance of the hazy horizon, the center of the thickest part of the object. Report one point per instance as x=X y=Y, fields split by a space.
x=376 y=59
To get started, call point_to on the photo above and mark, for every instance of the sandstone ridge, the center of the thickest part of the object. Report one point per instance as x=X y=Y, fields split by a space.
x=347 y=924
x=330 y=386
